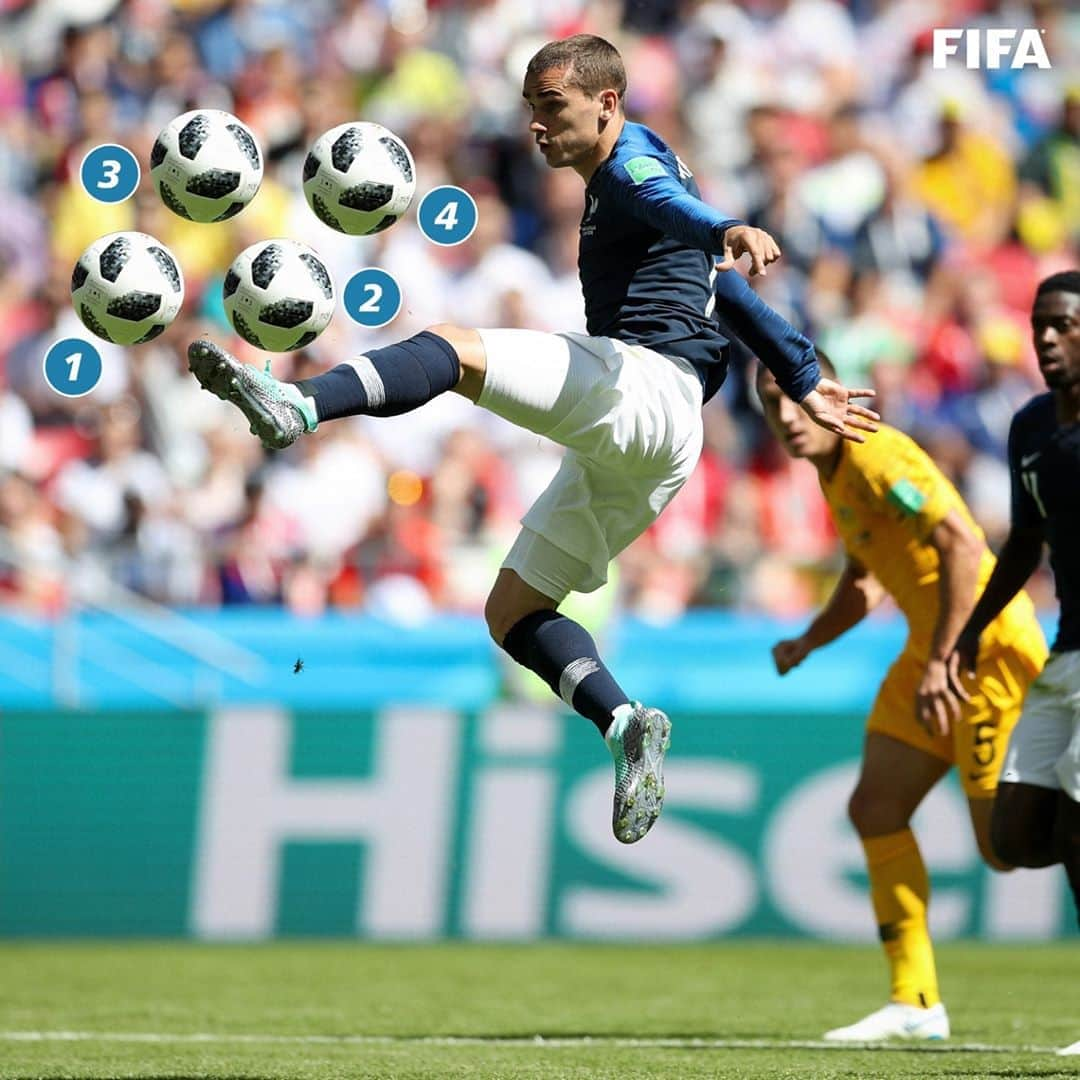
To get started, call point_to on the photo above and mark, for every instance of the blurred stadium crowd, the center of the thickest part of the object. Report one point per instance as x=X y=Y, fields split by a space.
x=917 y=208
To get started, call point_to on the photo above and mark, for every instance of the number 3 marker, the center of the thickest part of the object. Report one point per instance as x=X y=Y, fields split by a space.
x=110 y=173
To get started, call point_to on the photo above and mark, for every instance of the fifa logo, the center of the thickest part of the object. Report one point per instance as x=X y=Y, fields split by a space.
x=991 y=47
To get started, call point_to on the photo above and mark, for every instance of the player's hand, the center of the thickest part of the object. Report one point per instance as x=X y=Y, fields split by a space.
x=742 y=240
x=790 y=653
x=830 y=406
x=936 y=705
x=961 y=662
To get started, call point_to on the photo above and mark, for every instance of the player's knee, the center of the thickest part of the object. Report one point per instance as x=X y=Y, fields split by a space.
x=993 y=859
x=448 y=331
x=874 y=813
x=1006 y=844
x=860 y=811
x=463 y=340
x=1003 y=854
x=498 y=619
x=472 y=359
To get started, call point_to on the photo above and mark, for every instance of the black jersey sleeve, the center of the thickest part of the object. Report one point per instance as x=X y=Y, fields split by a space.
x=1025 y=510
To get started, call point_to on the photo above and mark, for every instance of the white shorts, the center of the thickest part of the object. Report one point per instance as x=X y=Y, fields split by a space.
x=630 y=419
x=1045 y=746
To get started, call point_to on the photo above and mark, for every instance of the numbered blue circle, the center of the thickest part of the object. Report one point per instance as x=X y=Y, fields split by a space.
x=110 y=173
x=72 y=367
x=447 y=215
x=372 y=297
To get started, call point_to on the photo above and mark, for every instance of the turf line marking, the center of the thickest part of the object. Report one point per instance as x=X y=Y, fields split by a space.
x=554 y=1042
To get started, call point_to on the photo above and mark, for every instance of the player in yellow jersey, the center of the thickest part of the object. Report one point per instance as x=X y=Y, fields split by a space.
x=908 y=534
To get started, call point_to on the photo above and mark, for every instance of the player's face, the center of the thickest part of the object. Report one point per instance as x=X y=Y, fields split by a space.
x=794 y=430
x=566 y=122
x=1055 y=326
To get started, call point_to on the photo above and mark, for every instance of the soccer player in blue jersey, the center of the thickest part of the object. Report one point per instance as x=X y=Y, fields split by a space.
x=1036 y=818
x=624 y=399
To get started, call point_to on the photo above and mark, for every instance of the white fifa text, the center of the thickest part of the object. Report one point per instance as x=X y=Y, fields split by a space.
x=993 y=48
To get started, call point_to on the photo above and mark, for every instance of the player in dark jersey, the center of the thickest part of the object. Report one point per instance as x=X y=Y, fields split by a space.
x=1036 y=819
x=624 y=399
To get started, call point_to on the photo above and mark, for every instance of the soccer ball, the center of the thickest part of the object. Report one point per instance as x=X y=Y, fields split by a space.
x=127 y=287
x=278 y=295
x=206 y=165
x=359 y=178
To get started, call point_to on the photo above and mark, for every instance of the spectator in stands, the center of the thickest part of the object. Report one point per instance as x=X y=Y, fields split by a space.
x=968 y=181
x=1051 y=170
x=773 y=103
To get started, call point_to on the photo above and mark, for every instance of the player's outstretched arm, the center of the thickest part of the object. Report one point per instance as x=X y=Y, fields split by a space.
x=1017 y=561
x=742 y=240
x=830 y=405
x=644 y=188
x=789 y=355
x=960 y=550
x=857 y=593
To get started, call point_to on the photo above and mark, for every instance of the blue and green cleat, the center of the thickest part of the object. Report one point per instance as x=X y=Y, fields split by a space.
x=276 y=411
x=638 y=741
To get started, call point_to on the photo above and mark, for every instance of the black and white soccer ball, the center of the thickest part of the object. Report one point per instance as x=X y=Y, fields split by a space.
x=278 y=295
x=127 y=287
x=206 y=165
x=359 y=178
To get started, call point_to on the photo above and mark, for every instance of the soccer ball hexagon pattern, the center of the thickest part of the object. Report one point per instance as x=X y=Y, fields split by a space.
x=127 y=287
x=206 y=165
x=359 y=178
x=278 y=295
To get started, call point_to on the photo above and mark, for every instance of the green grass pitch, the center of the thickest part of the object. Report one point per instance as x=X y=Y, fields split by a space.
x=332 y=1010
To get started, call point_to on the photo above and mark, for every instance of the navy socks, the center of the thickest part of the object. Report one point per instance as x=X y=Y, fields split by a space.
x=564 y=655
x=386 y=382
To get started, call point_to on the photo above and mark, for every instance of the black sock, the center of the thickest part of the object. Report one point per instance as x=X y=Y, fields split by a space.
x=564 y=655
x=387 y=381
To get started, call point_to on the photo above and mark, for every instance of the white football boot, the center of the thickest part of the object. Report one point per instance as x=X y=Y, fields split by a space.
x=1070 y=1050
x=638 y=739
x=276 y=411
x=895 y=1021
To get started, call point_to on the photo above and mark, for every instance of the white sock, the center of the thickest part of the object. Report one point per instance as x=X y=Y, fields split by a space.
x=622 y=712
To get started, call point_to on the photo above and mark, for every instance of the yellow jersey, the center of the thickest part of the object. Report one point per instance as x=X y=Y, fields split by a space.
x=886 y=497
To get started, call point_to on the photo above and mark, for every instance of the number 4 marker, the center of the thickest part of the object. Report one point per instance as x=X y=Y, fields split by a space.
x=447 y=217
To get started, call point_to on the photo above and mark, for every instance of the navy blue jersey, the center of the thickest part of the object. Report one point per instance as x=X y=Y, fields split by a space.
x=646 y=255
x=789 y=355
x=1044 y=463
x=646 y=262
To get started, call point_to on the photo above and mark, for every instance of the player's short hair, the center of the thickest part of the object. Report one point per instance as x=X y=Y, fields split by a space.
x=1065 y=281
x=592 y=63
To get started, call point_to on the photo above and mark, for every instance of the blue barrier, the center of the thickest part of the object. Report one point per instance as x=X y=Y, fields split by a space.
x=700 y=661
